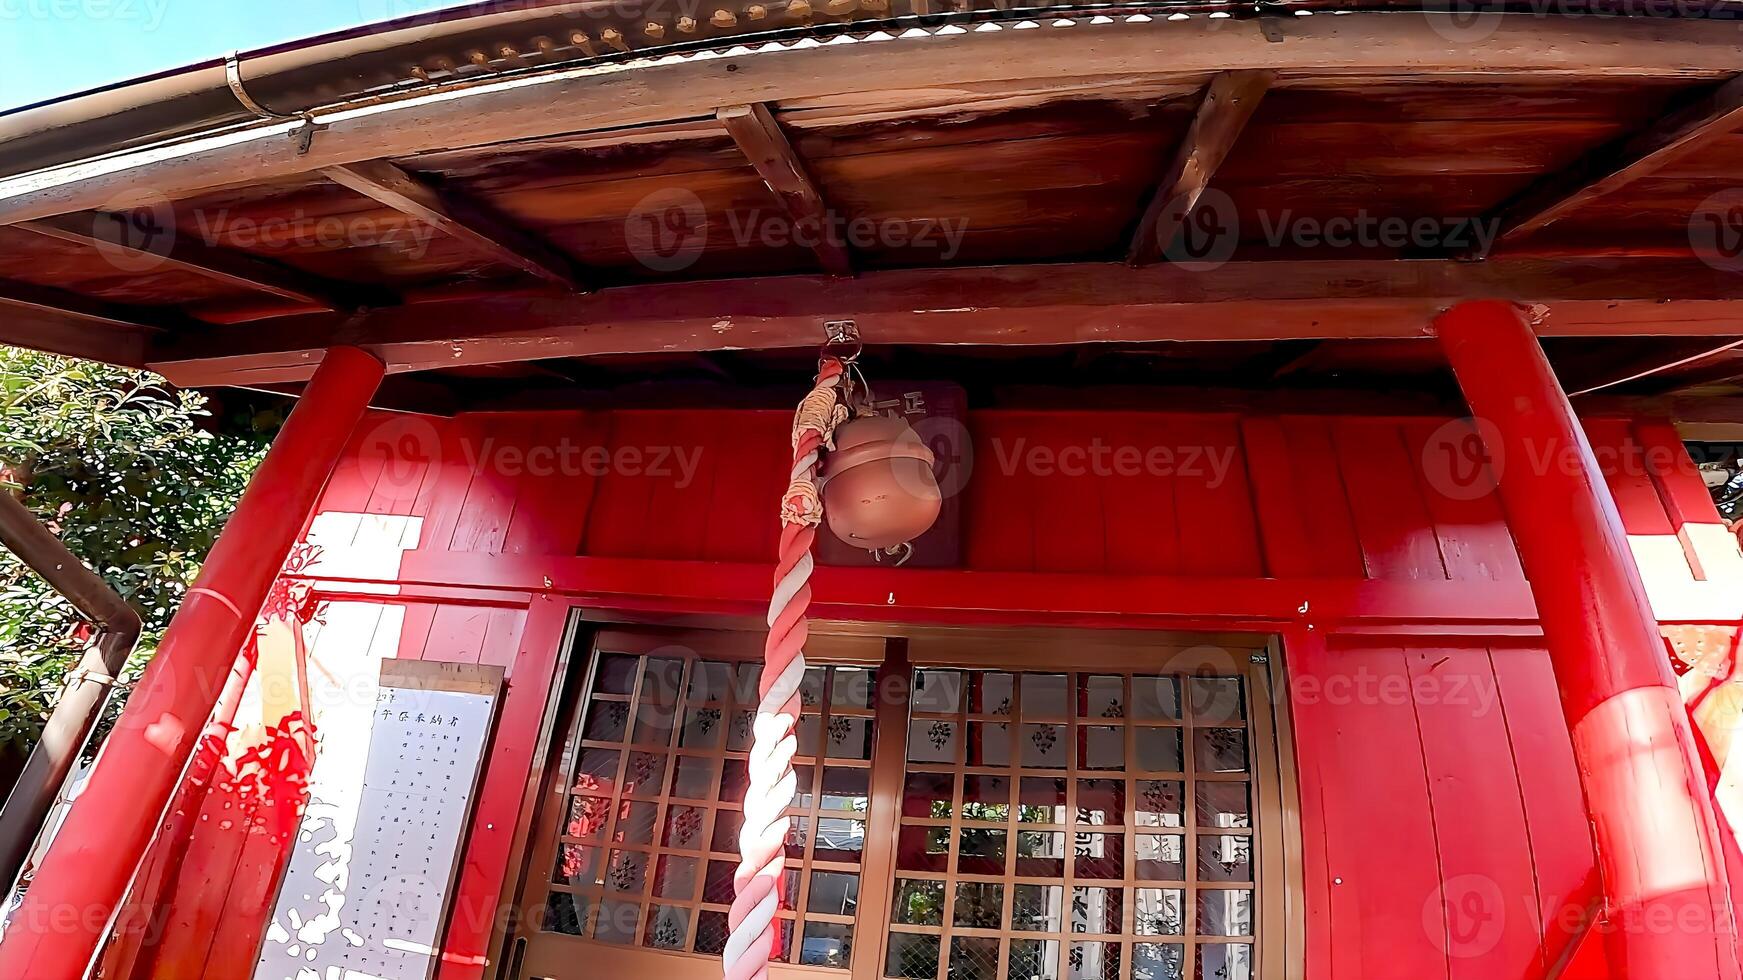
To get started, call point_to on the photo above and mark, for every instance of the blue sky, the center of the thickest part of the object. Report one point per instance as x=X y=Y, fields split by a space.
x=50 y=48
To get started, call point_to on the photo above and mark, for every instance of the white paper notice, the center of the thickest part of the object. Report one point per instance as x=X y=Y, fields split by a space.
x=369 y=883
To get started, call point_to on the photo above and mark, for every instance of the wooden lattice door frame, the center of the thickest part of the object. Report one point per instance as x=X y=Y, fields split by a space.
x=533 y=952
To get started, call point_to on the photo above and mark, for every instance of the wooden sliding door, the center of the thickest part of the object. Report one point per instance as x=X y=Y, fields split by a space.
x=967 y=810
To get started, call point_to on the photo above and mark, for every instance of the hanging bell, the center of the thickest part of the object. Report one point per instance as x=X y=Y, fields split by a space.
x=879 y=491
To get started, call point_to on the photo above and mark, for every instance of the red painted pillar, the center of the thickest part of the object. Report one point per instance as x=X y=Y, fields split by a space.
x=85 y=875
x=1658 y=853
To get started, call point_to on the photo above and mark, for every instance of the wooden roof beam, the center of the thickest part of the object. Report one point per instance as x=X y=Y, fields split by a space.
x=477 y=226
x=1001 y=305
x=1618 y=164
x=58 y=322
x=1229 y=103
x=760 y=138
x=170 y=249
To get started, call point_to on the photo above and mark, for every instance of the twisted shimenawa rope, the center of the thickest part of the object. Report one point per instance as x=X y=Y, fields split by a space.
x=762 y=842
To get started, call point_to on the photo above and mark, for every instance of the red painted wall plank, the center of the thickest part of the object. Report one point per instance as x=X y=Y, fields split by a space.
x=1000 y=510
x=1461 y=501
x=1315 y=478
x=1140 y=533
x=1561 y=842
x=552 y=500
x=1489 y=906
x=1214 y=506
x=1380 y=845
x=491 y=834
x=750 y=454
x=1392 y=523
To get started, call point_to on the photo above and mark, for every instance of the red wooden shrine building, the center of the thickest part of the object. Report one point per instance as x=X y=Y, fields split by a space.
x=1323 y=589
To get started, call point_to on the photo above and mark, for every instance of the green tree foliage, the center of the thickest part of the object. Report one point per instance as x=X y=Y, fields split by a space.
x=136 y=477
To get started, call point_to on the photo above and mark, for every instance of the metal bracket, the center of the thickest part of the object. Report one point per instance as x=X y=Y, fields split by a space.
x=304 y=134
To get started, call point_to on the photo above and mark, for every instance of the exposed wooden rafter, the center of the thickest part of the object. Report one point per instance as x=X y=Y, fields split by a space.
x=686 y=88
x=760 y=138
x=1229 y=102
x=66 y=323
x=467 y=221
x=171 y=249
x=1616 y=165
x=1007 y=305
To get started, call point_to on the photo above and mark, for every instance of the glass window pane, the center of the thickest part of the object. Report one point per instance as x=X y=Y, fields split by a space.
x=565 y=913
x=1220 y=749
x=852 y=687
x=990 y=692
x=1160 y=803
x=1033 y=959
x=1102 y=697
x=1160 y=912
x=919 y=902
x=702 y=728
x=616 y=673
x=596 y=769
x=617 y=922
x=850 y=738
x=811 y=688
x=741 y=731
x=927 y=794
x=840 y=839
x=912 y=957
x=1037 y=908
x=834 y=892
x=1161 y=857
x=726 y=826
x=1216 y=700
x=981 y=850
x=979 y=905
x=1158 y=961
x=668 y=926
x=710 y=681
x=1225 y=912
x=635 y=823
x=711 y=932
x=1101 y=802
x=654 y=723
x=827 y=944
x=626 y=871
x=660 y=681
x=1040 y=854
x=1096 y=910
x=1045 y=746
x=1093 y=961
x=577 y=864
x=1225 y=961
x=1225 y=858
x=973 y=958
x=923 y=848
x=1102 y=747
x=1158 y=749
x=607 y=721
x=937 y=690
x=646 y=773
x=1100 y=855
x=696 y=778
x=989 y=744
x=846 y=790
x=1041 y=800
x=1045 y=697
x=684 y=827
x=932 y=740
x=745 y=681
x=587 y=816
x=1155 y=698
x=986 y=798
x=1222 y=805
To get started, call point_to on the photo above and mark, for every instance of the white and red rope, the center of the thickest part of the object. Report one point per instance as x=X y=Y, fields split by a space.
x=762 y=841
